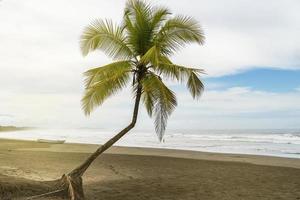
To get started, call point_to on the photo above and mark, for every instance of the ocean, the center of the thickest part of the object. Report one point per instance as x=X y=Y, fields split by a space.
x=282 y=143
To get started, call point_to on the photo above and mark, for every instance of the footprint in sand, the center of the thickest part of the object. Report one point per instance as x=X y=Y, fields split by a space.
x=113 y=169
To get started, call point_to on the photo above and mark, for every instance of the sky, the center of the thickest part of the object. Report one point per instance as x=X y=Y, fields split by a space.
x=251 y=57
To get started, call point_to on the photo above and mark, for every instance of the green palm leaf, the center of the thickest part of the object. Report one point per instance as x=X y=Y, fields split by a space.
x=177 y=32
x=151 y=56
x=102 y=82
x=97 y=74
x=162 y=65
x=182 y=74
x=159 y=16
x=106 y=36
x=195 y=85
x=137 y=20
x=158 y=98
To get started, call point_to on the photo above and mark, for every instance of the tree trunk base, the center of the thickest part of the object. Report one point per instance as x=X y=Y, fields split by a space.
x=73 y=186
x=69 y=187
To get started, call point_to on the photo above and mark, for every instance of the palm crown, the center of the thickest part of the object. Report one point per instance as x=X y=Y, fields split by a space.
x=142 y=45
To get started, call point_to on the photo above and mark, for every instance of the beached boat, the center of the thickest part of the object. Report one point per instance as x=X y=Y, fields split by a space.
x=51 y=141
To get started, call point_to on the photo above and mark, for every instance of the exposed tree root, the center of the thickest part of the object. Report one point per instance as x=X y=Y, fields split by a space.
x=68 y=186
x=53 y=193
x=74 y=185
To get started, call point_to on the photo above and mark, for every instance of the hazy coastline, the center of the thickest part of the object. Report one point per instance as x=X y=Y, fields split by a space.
x=13 y=128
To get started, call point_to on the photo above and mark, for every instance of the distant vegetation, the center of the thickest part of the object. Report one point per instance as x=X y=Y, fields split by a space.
x=12 y=128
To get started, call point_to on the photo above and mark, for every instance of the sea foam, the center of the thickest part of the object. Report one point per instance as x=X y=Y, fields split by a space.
x=284 y=143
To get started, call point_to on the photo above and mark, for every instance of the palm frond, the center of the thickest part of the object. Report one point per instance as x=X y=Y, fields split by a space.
x=195 y=85
x=138 y=11
x=106 y=36
x=159 y=15
x=174 y=71
x=177 y=32
x=158 y=98
x=148 y=97
x=137 y=22
x=162 y=65
x=151 y=56
x=103 y=82
x=182 y=74
x=97 y=74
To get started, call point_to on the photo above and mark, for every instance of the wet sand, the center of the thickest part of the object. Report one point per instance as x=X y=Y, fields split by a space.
x=125 y=173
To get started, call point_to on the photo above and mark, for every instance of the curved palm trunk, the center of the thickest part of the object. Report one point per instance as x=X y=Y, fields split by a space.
x=73 y=181
x=79 y=171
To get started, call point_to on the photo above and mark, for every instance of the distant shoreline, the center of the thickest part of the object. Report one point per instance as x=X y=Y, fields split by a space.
x=267 y=143
x=13 y=128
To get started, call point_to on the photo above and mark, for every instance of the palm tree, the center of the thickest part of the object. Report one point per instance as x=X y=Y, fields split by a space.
x=142 y=45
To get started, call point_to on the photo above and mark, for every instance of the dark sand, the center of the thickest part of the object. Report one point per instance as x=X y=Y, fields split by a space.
x=154 y=174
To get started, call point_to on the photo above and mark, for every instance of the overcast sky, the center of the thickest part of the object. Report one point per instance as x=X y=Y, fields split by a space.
x=251 y=56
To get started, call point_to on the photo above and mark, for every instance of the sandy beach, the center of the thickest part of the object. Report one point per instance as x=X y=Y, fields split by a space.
x=142 y=173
